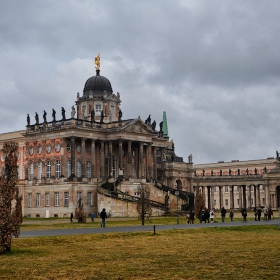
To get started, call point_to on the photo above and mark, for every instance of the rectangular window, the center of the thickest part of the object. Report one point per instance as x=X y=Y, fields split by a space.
x=40 y=164
x=68 y=170
x=47 y=198
x=88 y=170
x=66 y=199
x=57 y=169
x=89 y=198
x=31 y=171
x=226 y=202
x=38 y=199
x=226 y=188
x=56 y=199
x=237 y=201
x=98 y=109
x=30 y=200
x=49 y=169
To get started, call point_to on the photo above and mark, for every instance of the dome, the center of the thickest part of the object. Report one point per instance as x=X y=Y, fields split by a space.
x=97 y=85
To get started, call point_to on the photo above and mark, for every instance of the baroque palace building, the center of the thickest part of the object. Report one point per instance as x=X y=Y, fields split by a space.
x=99 y=159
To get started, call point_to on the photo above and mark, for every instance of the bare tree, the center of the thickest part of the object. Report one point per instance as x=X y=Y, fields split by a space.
x=10 y=218
x=199 y=204
x=80 y=214
x=144 y=208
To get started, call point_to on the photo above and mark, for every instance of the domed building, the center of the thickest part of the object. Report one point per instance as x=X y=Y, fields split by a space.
x=101 y=160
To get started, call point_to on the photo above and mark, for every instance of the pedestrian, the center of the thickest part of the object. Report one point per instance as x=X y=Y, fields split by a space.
x=259 y=213
x=92 y=217
x=188 y=218
x=192 y=216
x=71 y=217
x=223 y=214
x=207 y=215
x=103 y=216
x=231 y=214
x=269 y=213
x=212 y=215
x=265 y=213
x=244 y=214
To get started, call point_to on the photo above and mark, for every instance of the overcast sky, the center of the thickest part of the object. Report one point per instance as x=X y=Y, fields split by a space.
x=213 y=66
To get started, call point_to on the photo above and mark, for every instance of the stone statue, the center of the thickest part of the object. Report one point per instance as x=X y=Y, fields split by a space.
x=53 y=114
x=73 y=112
x=63 y=113
x=28 y=119
x=92 y=115
x=120 y=115
x=203 y=172
x=160 y=126
x=110 y=116
x=45 y=116
x=102 y=117
x=229 y=172
x=154 y=124
x=118 y=95
x=78 y=95
x=221 y=172
x=190 y=158
x=36 y=118
x=265 y=170
x=247 y=171
x=238 y=172
x=148 y=120
x=194 y=173
x=212 y=173
x=97 y=62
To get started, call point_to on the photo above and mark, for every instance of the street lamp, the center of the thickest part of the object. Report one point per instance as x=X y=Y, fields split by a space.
x=177 y=195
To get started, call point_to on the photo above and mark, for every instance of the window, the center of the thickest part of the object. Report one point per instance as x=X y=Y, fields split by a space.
x=57 y=169
x=30 y=200
x=38 y=199
x=98 y=108
x=114 y=167
x=56 y=199
x=47 y=198
x=79 y=196
x=88 y=149
x=89 y=198
x=66 y=199
x=88 y=170
x=31 y=171
x=252 y=188
x=18 y=172
x=237 y=201
x=84 y=109
x=40 y=168
x=68 y=168
x=78 y=169
x=49 y=169
x=68 y=148
x=226 y=188
x=215 y=202
x=133 y=171
x=226 y=202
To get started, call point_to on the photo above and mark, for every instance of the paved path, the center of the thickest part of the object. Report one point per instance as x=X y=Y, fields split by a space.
x=57 y=232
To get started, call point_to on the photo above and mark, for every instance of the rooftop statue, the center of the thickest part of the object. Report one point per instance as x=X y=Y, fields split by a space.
x=97 y=62
x=45 y=116
x=120 y=115
x=53 y=114
x=36 y=118
x=28 y=119
x=73 y=112
x=63 y=113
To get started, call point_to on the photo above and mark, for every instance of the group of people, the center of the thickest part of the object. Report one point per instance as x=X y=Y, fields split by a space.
x=267 y=213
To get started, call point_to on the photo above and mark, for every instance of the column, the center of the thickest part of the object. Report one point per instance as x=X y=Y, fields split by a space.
x=249 y=197
x=221 y=196
x=129 y=159
x=120 y=157
x=110 y=158
x=93 y=158
x=63 y=156
x=35 y=159
x=240 y=198
x=106 y=167
x=147 y=162
x=212 y=197
x=231 y=197
x=44 y=156
x=162 y=163
x=244 y=196
x=258 y=197
x=208 y=197
x=255 y=196
x=155 y=163
x=72 y=155
x=266 y=197
x=102 y=159
x=140 y=159
x=83 y=157
x=150 y=167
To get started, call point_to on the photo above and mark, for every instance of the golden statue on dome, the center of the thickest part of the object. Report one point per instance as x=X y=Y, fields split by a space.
x=97 y=62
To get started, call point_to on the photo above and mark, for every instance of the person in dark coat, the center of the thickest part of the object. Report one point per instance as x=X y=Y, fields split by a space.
x=223 y=214
x=207 y=215
x=259 y=213
x=103 y=216
x=192 y=216
x=71 y=217
x=244 y=214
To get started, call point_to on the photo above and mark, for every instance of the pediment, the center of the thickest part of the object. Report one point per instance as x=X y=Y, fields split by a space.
x=138 y=127
x=113 y=98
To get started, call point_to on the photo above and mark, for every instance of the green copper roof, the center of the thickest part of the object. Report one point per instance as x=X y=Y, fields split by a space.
x=164 y=126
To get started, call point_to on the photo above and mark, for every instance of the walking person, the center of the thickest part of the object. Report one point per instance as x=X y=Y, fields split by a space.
x=103 y=216
x=212 y=216
x=92 y=217
x=192 y=216
x=188 y=218
x=269 y=213
x=265 y=213
x=259 y=213
x=71 y=217
x=223 y=214
x=231 y=214
x=244 y=214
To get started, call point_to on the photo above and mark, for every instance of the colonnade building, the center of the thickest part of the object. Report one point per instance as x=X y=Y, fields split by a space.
x=238 y=184
x=97 y=157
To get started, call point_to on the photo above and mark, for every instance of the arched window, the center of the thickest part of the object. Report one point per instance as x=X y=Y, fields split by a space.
x=40 y=165
x=78 y=169
x=88 y=170
x=57 y=169
x=68 y=168
x=49 y=169
x=114 y=167
x=31 y=171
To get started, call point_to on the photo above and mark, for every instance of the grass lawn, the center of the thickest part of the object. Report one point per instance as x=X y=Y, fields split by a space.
x=250 y=252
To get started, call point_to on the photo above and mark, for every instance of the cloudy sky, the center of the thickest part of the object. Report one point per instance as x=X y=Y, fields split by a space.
x=213 y=66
